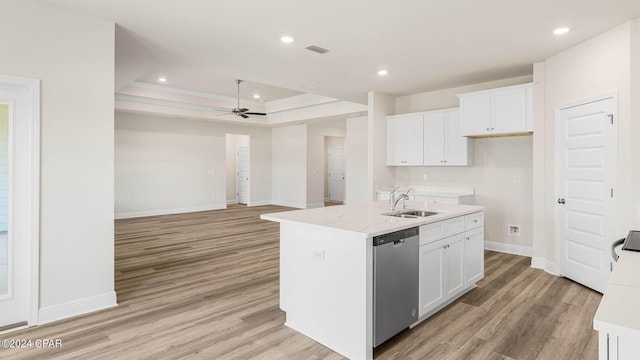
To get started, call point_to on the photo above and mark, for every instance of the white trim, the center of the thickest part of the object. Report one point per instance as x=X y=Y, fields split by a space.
x=135 y=214
x=78 y=307
x=260 y=203
x=315 y=205
x=33 y=88
x=170 y=89
x=232 y=201
x=546 y=265
x=509 y=248
x=289 y=204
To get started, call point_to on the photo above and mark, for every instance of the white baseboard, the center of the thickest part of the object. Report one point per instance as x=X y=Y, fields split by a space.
x=135 y=214
x=546 y=265
x=232 y=201
x=260 y=203
x=509 y=248
x=289 y=204
x=315 y=205
x=77 y=307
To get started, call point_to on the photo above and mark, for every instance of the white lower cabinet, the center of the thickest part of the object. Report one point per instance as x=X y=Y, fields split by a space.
x=451 y=259
x=474 y=256
x=453 y=265
x=431 y=280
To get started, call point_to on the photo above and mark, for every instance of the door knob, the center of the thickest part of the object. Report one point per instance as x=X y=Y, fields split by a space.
x=561 y=201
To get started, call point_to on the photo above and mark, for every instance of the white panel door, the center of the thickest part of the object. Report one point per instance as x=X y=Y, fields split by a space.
x=413 y=138
x=434 y=139
x=336 y=175
x=243 y=175
x=586 y=159
x=431 y=276
x=475 y=114
x=454 y=265
x=456 y=152
x=395 y=141
x=474 y=256
x=509 y=113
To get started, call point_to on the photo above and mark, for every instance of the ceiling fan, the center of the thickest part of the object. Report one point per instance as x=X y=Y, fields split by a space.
x=238 y=111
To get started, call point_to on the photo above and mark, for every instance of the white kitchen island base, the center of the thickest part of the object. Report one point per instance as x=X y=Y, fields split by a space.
x=325 y=287
x=326 y=269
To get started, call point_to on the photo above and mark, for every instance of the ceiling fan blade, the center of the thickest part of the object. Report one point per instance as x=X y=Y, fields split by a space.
x=244 y=116
x=243 y=110
x=255 y=113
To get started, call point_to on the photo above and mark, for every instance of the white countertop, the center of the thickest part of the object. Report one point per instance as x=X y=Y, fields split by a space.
x=618 y=311
x=366 y=219
x=433 y=191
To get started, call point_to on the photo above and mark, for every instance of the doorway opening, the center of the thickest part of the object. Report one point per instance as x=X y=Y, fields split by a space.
x=238 y=164
x=334 y=179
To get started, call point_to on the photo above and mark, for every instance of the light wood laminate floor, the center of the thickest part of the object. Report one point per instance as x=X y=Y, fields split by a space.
x=205 y=286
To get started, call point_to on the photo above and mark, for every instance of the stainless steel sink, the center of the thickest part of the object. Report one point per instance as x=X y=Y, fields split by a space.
x=410 y=213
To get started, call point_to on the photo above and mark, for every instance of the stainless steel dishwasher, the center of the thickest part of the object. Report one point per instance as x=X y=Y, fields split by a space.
x=395 y=283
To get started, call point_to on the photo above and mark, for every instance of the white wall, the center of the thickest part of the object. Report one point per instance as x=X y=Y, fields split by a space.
x=289 y=166
x=594 y=67
x=379 y=174
x=355 y=161
x=498 y=163
x=317 y=160
x=234 y=141
x=166 y=165
x=73 y=55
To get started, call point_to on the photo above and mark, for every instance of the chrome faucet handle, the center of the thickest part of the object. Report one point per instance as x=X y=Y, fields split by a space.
x=408 y=191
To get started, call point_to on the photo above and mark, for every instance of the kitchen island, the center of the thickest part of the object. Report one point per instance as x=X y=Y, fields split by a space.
x=326 y=266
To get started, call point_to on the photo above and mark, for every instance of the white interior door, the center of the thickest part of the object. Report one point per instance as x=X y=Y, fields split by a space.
x=586 y=159
x=336 y=175
x=18 y=200
x=243 y=175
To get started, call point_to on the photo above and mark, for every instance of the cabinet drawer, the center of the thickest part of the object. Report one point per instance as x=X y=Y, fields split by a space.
x=453 y=226
x=473 y=221
x=433 y=199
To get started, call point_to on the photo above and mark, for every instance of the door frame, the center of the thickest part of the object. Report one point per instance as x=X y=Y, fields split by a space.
x=32 y=86
x=560 y=269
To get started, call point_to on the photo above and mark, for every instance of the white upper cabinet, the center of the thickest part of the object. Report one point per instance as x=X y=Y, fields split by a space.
x=501 y=111
x=428 y=139
x=404 y=140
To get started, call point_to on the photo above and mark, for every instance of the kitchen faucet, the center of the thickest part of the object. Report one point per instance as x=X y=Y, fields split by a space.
x=400 y=197
x=392 y=197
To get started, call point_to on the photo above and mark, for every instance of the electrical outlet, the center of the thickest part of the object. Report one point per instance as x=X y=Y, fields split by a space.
x=514 y=230
x=317 y=255
x=425 y=177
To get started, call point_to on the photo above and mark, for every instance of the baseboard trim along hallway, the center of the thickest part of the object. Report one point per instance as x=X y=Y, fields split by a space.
x=77 y=307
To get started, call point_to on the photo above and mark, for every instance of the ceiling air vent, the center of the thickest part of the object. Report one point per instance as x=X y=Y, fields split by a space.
x=316 y=49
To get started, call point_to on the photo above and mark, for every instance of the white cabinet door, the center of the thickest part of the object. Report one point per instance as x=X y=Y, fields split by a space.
x=474 y=256
x=405 y=140
x=456 y=146
x=453 y=265
x=434 y=138
x=475 y=112
x=395 y=141
x=509 y=107
x=413 y=139
x=431 y=276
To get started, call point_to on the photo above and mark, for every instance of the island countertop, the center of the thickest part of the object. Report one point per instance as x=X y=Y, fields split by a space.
x=367 y=219
x=617 y=313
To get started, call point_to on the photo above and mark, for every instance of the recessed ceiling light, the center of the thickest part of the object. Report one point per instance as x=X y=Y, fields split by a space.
x=256 y=96
x=162 y=79
x=382 y=72
x=561 y=31
x=286 y=39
